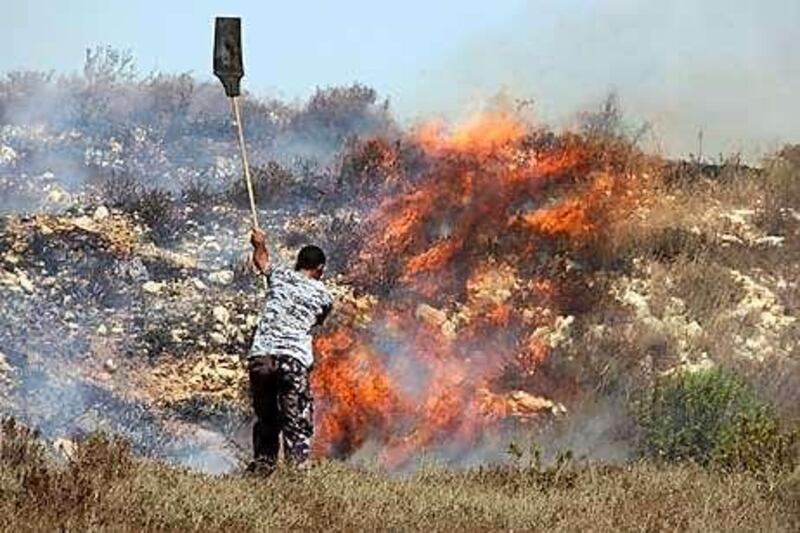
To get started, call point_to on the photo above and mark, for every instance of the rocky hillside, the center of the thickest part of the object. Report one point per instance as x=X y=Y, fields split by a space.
x=493 y=282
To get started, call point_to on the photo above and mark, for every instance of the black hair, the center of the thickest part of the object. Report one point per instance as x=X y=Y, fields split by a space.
x=309 y=258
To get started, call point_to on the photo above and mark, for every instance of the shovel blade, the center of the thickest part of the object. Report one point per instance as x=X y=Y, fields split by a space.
x=228 y=65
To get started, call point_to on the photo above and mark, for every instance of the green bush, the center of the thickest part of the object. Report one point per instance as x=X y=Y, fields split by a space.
x=714 y=419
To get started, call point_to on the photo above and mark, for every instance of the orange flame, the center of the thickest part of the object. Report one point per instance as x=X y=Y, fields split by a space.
x=482 y=134
x=460 y=238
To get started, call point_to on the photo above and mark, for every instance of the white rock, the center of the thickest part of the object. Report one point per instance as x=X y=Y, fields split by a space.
x=563 y=324
x=430 y=315
x=56 y=195
x=24 y=281
x=728 y=238
x=251 y=321
x=101 y=213
x=693 y=329
x=556 y=335
x=199 y=285
x=221 y=277
x=84 y=223
x=221 y=314
x=739 y=216
x=770 y=240
x=7 y=155
x=228 y=375
x=597 y=330
x=217 y=338
x=65 y=447
x=152 y=287
x=450 y=330
x=637 y=301
x=4 y=366
x=110 y=365
x=102 y=329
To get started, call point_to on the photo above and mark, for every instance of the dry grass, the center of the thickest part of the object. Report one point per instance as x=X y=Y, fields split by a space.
x=690 y=245
x=102 y=487
x=687 y=218
x=707 y=288
x=780 y=191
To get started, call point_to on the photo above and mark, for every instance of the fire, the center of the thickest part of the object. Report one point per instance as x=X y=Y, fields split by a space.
x=363 y=392
x=465 y=296
x=573 y=217
x=482 y=133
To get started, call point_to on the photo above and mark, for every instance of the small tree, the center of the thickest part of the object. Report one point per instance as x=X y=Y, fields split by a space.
x=608 y=122
x=106 y=65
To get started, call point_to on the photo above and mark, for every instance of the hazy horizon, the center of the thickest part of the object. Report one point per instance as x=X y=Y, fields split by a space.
x=728 y=70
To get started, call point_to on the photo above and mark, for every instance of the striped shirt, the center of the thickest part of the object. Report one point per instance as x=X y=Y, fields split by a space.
x=295 y=304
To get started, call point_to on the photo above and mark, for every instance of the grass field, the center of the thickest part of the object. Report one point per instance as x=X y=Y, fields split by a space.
x=103 y=487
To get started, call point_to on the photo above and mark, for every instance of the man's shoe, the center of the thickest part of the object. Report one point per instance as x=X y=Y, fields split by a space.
x=260 y=467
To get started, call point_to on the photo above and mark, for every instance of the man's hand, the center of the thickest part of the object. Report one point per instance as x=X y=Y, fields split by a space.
x=258 y=238
x=260 y=254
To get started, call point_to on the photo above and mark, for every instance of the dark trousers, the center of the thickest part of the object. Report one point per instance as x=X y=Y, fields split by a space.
x=283 y=406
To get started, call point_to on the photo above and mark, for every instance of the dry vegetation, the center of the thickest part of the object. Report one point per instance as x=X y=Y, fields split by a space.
x=103 y=487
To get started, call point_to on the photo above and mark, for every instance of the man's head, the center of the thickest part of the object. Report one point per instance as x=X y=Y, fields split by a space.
x=311 y=259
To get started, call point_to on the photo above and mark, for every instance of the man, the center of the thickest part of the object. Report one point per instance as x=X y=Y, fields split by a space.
x=281 y=356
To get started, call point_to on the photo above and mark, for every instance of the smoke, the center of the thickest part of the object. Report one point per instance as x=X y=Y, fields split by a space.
x=73 y=407
x=599 y=431
x=164 y=131
x=682 y=66
x=49 y=343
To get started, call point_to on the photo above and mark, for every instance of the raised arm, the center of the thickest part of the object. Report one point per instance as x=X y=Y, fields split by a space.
x=260 y=253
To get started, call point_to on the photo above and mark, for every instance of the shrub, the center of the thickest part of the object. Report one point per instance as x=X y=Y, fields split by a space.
x=781 y=191
x=334 y=114
x=272 y=184
x=156 y=207
x=714 y=418
x=120 y=190
x=198 y=194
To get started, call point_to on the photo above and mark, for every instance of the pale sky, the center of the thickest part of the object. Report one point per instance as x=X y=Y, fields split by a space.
x=728 y=67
